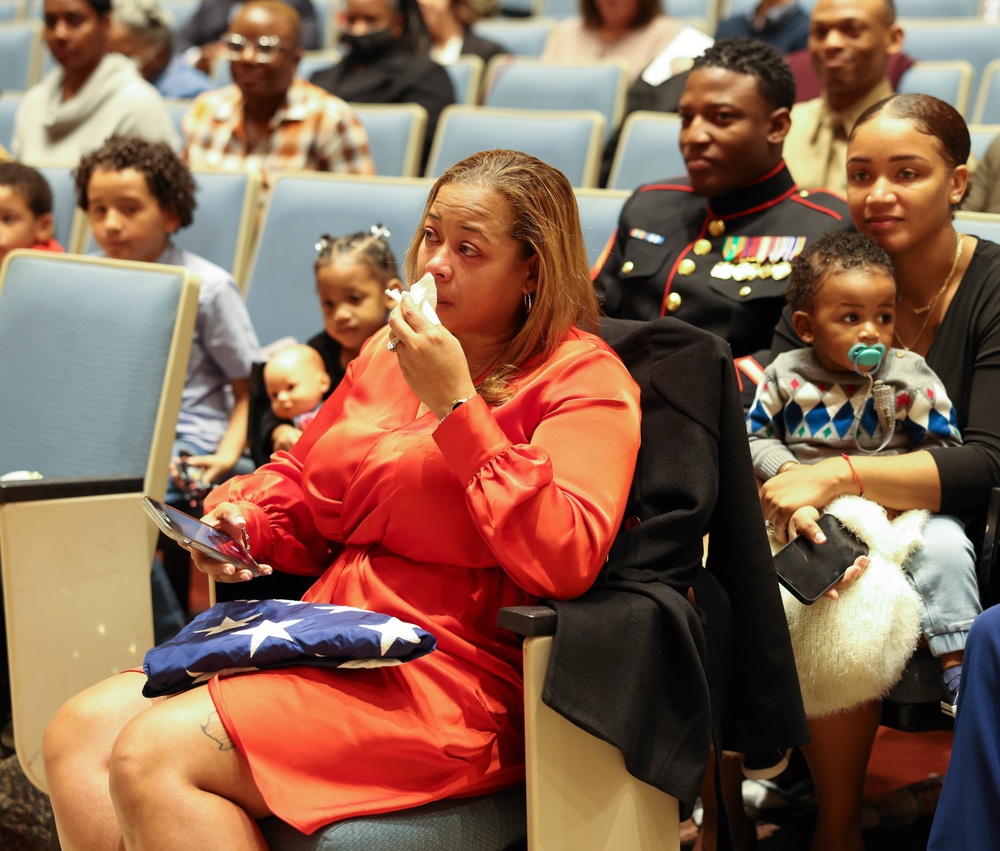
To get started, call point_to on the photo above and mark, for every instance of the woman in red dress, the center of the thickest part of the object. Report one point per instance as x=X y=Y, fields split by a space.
x=459 y=467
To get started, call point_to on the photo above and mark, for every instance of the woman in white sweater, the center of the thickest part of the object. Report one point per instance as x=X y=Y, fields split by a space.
x=636 y=31
x=91 y=95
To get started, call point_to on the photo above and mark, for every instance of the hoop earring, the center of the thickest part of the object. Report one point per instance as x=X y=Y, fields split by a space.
x=529 y=302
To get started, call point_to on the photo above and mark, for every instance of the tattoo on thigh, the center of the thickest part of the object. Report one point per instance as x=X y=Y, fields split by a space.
x=216 y=732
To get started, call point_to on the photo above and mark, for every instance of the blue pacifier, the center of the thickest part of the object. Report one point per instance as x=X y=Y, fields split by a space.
x=866 y=359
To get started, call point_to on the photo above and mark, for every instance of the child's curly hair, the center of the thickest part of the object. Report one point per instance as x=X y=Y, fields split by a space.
x=832 y=253
x=168 y=178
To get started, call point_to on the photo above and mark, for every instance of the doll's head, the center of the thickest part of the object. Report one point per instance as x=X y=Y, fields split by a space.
x=352 y=274
x=296 y=381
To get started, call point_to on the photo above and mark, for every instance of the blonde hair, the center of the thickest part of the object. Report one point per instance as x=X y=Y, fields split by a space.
x=545 y=220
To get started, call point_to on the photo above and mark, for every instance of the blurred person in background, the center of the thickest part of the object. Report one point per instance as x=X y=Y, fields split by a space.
x=634 y=31
x=90 y=95
x=781 y=23
x=387 y=60
x=142 y=30
x=268 y=119
x=449 y=23
x=200 y=39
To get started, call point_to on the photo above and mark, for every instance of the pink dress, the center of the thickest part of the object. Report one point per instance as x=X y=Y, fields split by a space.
x=439 y=525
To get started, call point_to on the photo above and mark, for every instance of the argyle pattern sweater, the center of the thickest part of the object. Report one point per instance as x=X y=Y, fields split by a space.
x=805 y=413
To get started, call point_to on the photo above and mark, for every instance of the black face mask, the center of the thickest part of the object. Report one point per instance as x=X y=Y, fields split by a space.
x=370 y=45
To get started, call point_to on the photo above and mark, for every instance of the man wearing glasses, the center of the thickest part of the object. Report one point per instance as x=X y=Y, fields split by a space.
x=198 y=40
x=269 y=119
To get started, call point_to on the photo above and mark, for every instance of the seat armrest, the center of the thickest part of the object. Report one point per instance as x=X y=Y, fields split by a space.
x=529 y=621
x=34 y=490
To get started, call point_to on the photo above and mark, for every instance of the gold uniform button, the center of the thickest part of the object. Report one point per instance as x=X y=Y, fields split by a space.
x=702 y=247
x=745 y=291
x=673 y=302
x=717 y=227
x=627 y=267
x=686 y=266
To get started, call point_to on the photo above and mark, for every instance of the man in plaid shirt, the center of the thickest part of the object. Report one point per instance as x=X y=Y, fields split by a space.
x=269 y=120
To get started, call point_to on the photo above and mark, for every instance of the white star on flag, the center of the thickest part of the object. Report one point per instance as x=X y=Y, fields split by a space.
x=233 y=636
x=227 y=624
x=391 y=630
x=267 y=629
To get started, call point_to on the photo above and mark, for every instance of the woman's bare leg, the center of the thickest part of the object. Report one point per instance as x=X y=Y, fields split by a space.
x=177 y=781
x=744 y=828
x=77 y=746
x=838 y=760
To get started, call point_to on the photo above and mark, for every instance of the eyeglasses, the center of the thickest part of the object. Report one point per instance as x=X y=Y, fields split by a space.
x=265 y=49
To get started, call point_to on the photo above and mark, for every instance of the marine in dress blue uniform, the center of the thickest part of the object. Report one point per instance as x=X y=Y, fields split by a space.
x=719 y=263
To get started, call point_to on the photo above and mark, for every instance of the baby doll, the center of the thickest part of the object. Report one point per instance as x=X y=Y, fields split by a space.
x=297 y=383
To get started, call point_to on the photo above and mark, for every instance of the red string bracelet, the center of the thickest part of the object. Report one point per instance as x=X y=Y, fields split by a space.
x=854 y=474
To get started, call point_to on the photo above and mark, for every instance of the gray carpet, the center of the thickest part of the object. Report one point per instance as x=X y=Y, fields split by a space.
x=25 y=814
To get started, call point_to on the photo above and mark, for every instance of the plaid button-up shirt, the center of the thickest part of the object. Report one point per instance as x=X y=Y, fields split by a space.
x=312 y=130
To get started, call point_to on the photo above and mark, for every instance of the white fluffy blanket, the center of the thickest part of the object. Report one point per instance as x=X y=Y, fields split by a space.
x=854 y=649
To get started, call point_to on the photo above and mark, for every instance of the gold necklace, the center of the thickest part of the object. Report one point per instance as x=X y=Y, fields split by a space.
x=954 y=265
x=959 y=239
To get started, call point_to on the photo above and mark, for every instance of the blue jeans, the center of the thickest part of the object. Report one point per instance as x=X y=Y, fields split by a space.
x=169 y=615
x=943 y=573
x=174 y=495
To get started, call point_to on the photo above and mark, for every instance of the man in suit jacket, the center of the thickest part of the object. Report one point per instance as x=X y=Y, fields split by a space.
x=850 y=43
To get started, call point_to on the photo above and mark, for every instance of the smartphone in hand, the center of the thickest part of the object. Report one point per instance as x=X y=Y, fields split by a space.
x=809 y=570
x=191 y=532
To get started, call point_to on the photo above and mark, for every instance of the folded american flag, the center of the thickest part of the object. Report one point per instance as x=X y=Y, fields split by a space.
x=247 y=635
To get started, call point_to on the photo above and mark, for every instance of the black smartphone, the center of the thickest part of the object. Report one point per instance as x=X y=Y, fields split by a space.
x=809 y=570
x=193 y=533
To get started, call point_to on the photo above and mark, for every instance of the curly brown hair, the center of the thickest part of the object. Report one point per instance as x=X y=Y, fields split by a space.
x=168 y=178
x=831 y=254
x=30 y=184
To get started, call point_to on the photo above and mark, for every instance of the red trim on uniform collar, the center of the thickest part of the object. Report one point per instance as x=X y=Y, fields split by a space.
x=766 y=191
x=679 y=187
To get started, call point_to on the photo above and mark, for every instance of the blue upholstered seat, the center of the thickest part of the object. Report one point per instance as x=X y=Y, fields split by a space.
x=281 y=292
x=525 y=83
x=648 y=150
x=93 y=355
x=570 y=140
x=20 y=55
x=486 y=823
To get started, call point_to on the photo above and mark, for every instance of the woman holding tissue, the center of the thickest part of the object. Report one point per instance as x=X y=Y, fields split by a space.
x=441 y=481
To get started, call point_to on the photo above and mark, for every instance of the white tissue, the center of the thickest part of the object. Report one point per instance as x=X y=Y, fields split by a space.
x=424 y=293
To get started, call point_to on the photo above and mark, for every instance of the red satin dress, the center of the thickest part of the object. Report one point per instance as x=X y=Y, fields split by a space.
x=439 y=525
